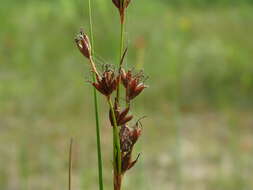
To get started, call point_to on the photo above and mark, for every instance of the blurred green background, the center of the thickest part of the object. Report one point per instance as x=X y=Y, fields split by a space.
x=198 y=55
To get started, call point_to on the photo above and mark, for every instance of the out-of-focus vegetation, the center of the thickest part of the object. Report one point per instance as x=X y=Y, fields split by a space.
x=198 y=55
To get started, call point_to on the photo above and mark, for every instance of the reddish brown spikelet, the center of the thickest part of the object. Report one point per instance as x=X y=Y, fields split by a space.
x=125 y=77
x=136 y=89
x=121 y=116
x=107 y=83
x=133 y=162
x=128 y=138
x=83 y=44
x=135 y=134
x=125 y=141
x=121 y=5
x=132 y=83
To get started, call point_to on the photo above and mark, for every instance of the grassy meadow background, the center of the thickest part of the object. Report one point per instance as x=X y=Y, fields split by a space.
x=198 y=55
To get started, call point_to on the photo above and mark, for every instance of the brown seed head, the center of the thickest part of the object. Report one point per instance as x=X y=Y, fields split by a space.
x=128 y=138
x=133 y=84
x=107 y=83
x=121 y=116
x=83 y=44
x=135 y=134
x=125 y=141
x=127 y=162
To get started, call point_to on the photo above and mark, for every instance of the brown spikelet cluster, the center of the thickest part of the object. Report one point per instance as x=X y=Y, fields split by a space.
x=107 y=83
x=122 y=117
x=133 y=84
x=128 y=138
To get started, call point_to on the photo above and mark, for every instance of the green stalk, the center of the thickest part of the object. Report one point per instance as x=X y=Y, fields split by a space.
x=116 y=141
x=178 y=150
x=121 y=49
x=70 y=163
x=121 y=40
x=99 y=154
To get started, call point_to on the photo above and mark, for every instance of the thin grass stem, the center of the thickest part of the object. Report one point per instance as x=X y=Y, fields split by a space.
x=70 y=163
x=121 y=49
x=122 y=27
x=116 y=145
x=116 y=150
x=91 y=26
x=99 y=153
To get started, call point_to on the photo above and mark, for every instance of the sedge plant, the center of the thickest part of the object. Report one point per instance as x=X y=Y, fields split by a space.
x=108 y=82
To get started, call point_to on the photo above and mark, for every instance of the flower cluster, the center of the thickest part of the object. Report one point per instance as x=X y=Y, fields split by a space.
x=133 y=84
x=107 y=83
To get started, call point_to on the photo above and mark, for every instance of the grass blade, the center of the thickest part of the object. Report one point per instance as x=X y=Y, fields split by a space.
x=70 y=163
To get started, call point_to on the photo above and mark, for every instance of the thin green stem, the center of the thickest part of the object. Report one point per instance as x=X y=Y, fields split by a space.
x=121 y=40
x=99 y=153
x=91 y=26
x=70 y=163
x=116 y=141
x=121 y=49
x=127 y=102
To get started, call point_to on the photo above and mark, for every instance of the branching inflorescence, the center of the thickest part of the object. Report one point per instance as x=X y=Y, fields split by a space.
x=107 y=82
